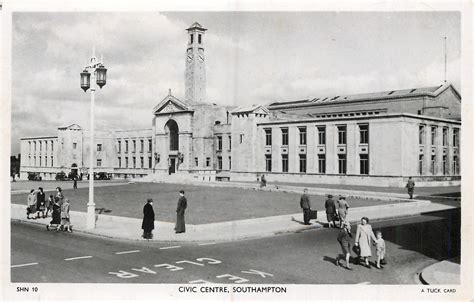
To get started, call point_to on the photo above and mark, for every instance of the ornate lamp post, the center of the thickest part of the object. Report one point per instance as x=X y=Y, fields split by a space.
x=99 y=74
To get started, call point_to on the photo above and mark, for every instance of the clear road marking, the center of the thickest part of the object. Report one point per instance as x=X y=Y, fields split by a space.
x=364 y=283
x=170 y=247
x=209 y=243
x=127 y=252
x=26 y=264
x=75 y=258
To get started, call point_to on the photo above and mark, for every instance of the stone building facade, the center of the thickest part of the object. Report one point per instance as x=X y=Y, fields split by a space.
x=364 y=139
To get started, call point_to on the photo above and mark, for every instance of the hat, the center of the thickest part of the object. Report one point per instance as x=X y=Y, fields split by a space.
x=329 y=196
x=182 y=192
x=149 y=200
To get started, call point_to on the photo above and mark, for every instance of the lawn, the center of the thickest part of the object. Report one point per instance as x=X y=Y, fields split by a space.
x=205 y=204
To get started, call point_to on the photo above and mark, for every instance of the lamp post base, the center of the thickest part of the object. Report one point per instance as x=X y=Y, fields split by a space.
x=90 y=216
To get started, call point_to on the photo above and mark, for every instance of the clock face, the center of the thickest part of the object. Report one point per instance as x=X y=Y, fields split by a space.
x=190 y=55
x=201 y=58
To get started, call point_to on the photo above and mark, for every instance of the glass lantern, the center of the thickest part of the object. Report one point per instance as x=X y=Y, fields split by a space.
x=101 y=73
x=85 y=80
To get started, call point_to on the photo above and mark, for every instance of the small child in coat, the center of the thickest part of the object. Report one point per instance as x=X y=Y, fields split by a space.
x=380 y=246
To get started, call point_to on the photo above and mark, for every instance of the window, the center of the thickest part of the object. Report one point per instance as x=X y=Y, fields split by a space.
x=34 y=160
x=364 y=164
x=241 y=138
x=341 y=135
x=99 y=163
x=52 y=146
x=219 y=163
x=322 y=163
x=29 y=147
x=455 y=137
x=230 y=162
x=196 y=161
x=126 y=162
x=230 y=142
x=284 y=136
x=29 y=160
x=219 y=143
x=120 y=162
x=433 y=135
x=421 y=134
x=268 y=162
x=99 y=147
x=45 y=161
x=45 y=146
x=455 y=165
x=134 y=146
x=284 y=162
x=445 y=165
x=364 y=134
x=420 y=164
x=208 y=161
x=342 y=160
x=445 y=137
x=433 y=164
x=192 y=38
x=74 y=145
x=322 y=135
x=126 y=146
x=149 y=145
x=134 y=162
x=39 y=157
x=199 y=38
x=52 y=161
x=119 y=146
x=142 y=162
x=302 y=131
x=268 y=137
x=142 y=146
x=149 y=162
x=40 y=146
x=302 y=163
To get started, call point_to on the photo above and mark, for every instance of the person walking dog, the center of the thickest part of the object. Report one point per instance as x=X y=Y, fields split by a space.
x=148 y=223
x=182 y=205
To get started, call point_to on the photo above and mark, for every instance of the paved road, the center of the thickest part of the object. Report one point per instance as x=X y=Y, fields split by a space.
x=297 y=258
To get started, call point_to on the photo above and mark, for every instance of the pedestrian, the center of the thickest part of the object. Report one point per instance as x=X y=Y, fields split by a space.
x=148 y=223
x=40 y=202
x=363 y=238
x=305 y=204
x=55 y=214
x=410 y=187
x=182 y=205
x=59 y=194
x=49 y=204
x=343 y=208
x=31 y=205
x=344 y=240
x=380 y=248
x=330 y=206
x=65 y=217
x=74 y=185
x=263 y=181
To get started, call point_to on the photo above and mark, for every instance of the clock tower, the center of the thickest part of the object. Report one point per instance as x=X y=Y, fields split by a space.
x=195 y=85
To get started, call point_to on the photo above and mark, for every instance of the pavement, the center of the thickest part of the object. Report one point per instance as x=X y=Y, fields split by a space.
x=442 y=273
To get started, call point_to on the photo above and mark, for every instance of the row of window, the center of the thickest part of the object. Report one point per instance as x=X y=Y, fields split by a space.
x=208 y=162
x=433 y=166
x=40 y=144
x=134 y=146
x=341 y=135
x=342 y=163
x=220 y=143
x=434 y=135
x=40 y=162
x=134 y=162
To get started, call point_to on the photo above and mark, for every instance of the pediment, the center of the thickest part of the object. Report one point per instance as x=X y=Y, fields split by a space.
x=170 y=104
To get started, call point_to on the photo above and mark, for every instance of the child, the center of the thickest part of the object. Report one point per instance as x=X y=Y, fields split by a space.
x=344 y=241
x=380 y=245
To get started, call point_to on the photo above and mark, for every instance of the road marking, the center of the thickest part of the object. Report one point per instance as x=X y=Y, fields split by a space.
x=364 y=283
x=127 y=252
x=75 y=258
x=170 y=247
x=26 y=264
x=209 y=243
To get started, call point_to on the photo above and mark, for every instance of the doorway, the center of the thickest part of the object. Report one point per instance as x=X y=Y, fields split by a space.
x=172 y=167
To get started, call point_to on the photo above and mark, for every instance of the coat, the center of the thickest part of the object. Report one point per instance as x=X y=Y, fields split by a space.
x=305 y=203
x=40 y=199
x=343 y=206
x=180 y=223
x=330 y=206
x=65 y=210
x=182 y=205
x=31 y=199
x=148 y=222
x=410 y=184
x=56 y=214
x=364 y=237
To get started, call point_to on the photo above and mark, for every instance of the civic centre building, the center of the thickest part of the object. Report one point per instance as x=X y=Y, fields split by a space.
x=363 y=139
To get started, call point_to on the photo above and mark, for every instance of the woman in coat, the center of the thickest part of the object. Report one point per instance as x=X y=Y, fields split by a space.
x=343 y=207
x=363 y=239
x=31 y=205
x=65 y=218
x=148 y=224
x=182 y=205
x=55 y=213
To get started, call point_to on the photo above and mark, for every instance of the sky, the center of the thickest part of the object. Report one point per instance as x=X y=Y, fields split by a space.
x=251 y=58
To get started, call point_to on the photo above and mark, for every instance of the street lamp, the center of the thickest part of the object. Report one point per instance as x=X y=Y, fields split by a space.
x=98 y=72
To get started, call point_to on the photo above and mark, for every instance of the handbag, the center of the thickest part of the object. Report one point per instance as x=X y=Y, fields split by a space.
x=356 y=250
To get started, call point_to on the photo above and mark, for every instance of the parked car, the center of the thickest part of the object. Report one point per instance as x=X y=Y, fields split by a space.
x=102 y=176
x=34 y=176
x=61 y=176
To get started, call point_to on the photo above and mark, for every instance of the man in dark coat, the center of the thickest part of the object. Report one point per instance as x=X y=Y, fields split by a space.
x=40 y=203
x=74 y=185
x=182 y=205
x=148 y=223
x=330 y=206
x=305 y=204
x=410 y=187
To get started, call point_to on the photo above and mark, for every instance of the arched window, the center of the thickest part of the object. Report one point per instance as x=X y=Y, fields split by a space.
x=172 y=130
